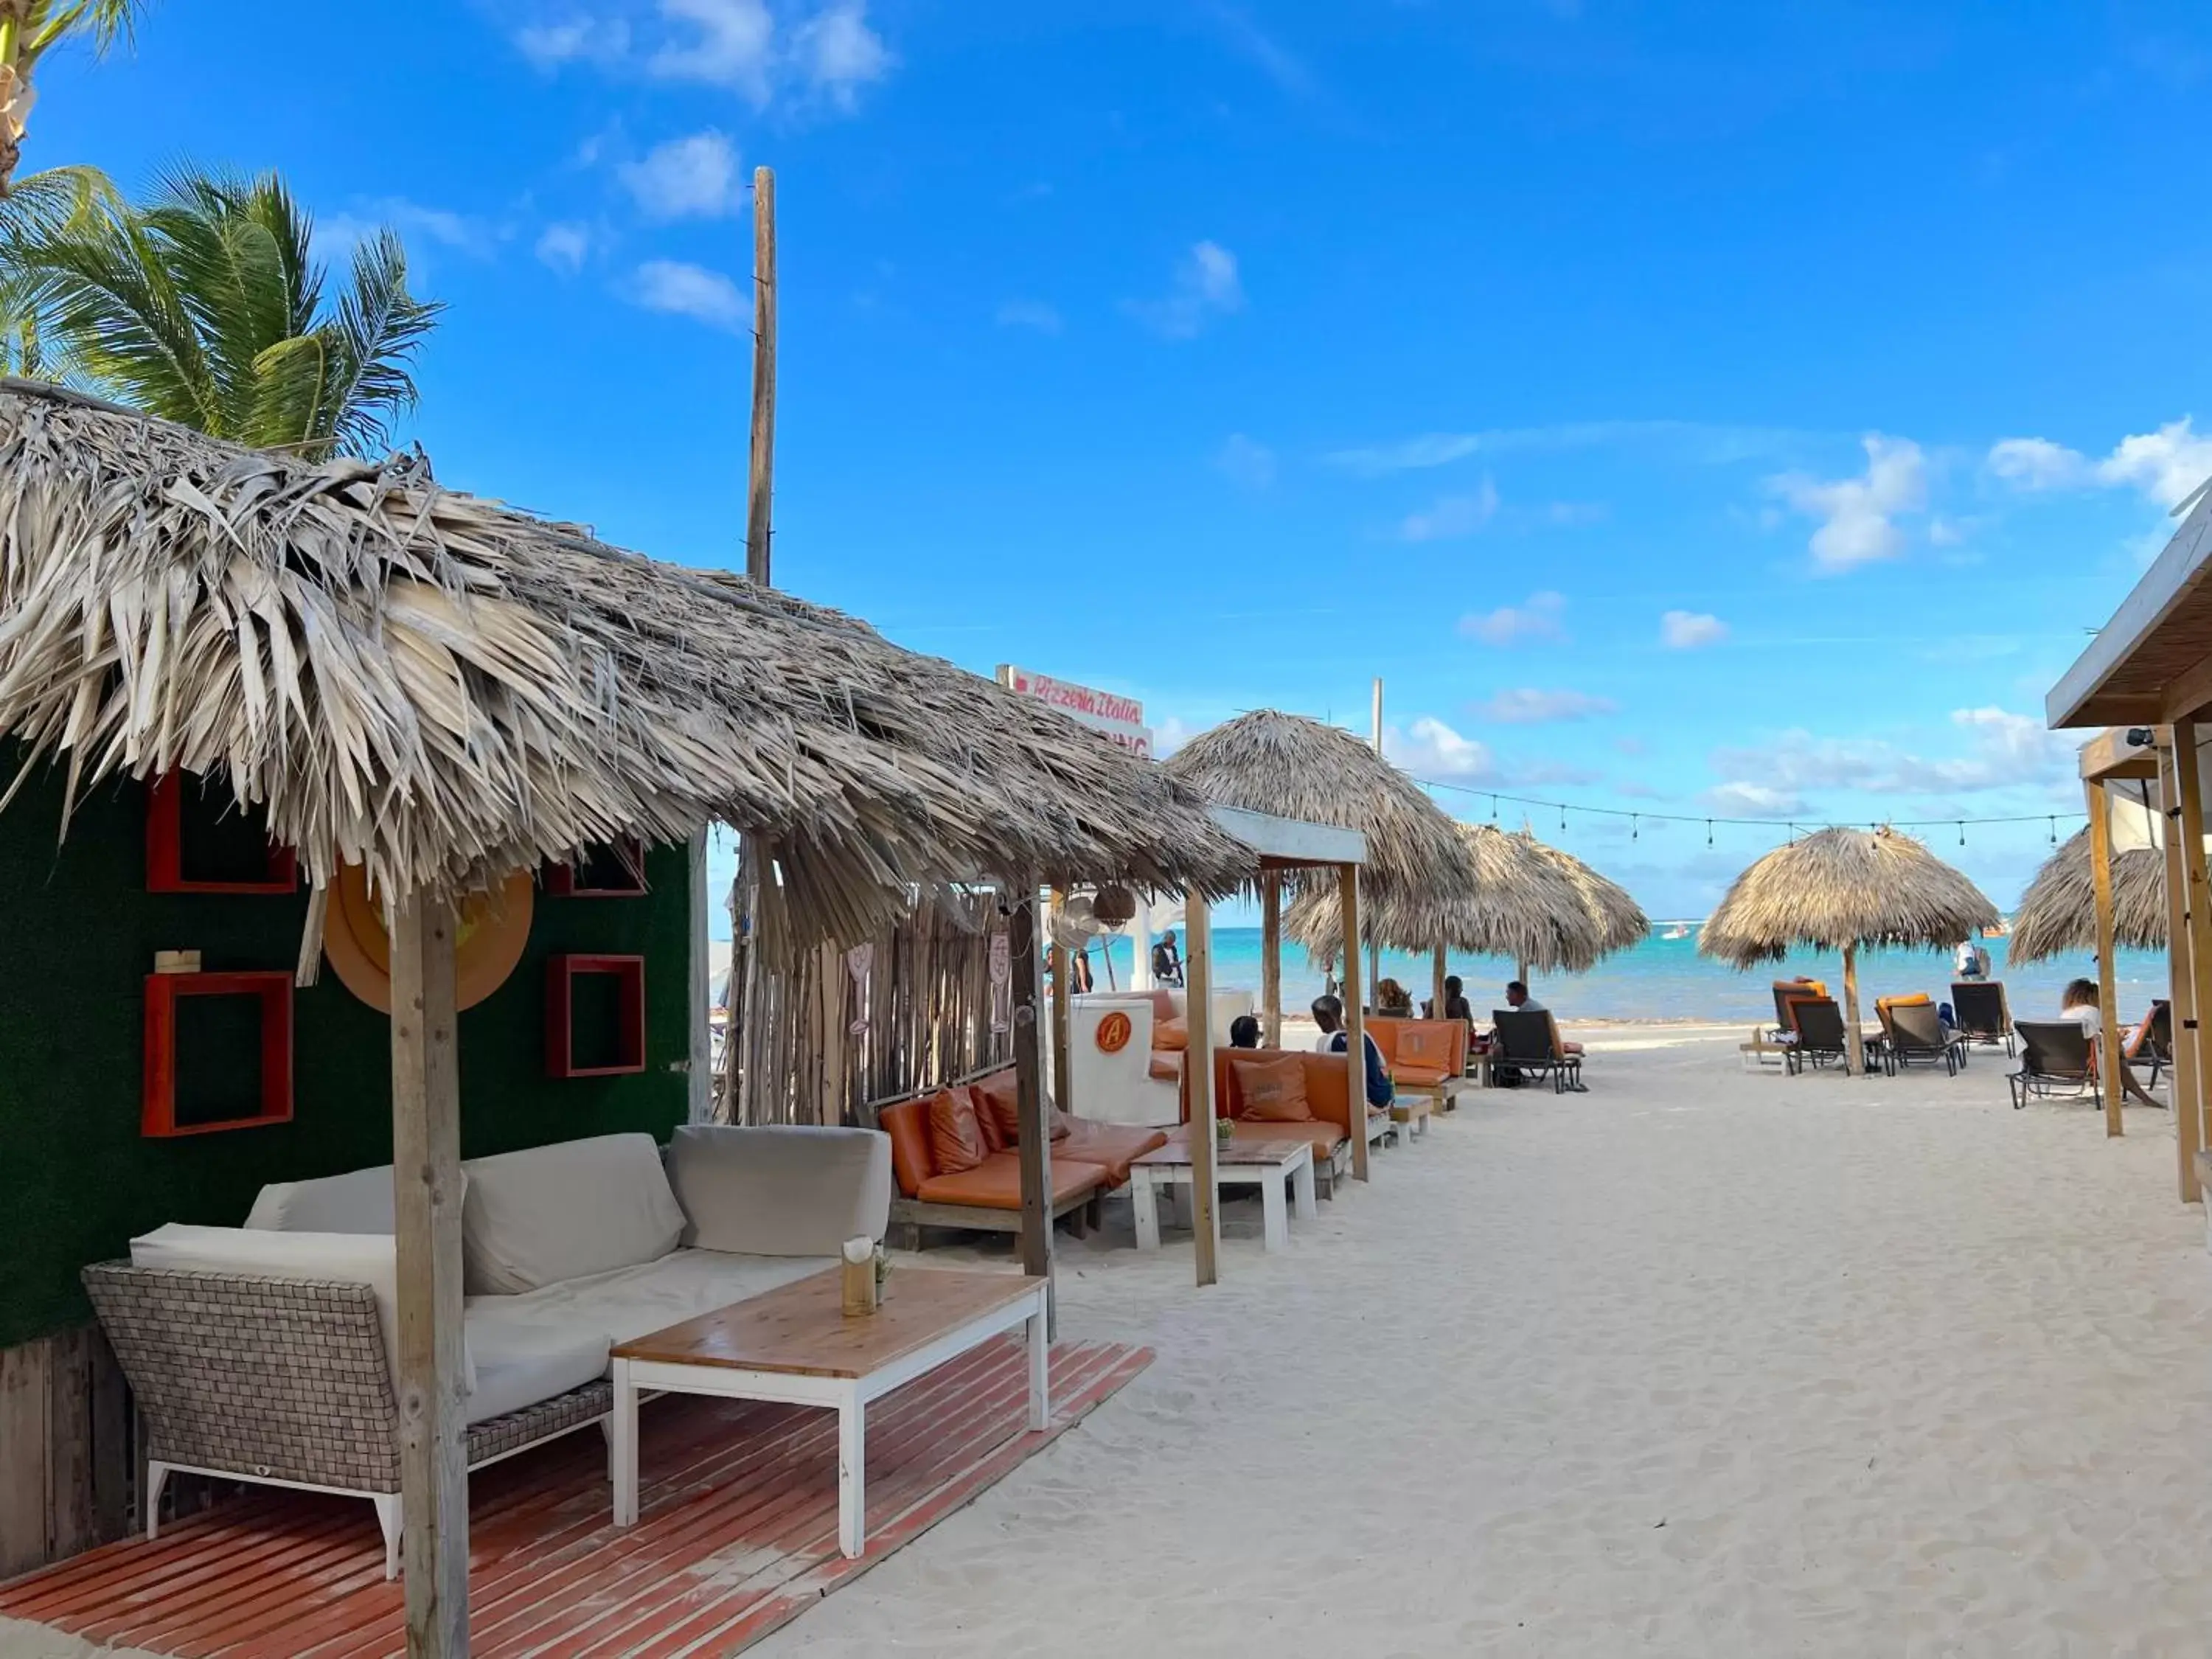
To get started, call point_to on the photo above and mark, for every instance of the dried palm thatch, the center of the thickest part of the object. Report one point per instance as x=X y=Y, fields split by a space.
x=1297 y=768
x=1619 y=919
x=2057 y=915
x=1836 y=890
x=442 y=689
x=1524 y=905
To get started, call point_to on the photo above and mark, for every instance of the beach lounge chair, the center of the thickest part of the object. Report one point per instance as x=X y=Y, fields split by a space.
x=2055 y=1057
x=1529 y=1042
x=1914 y=1031
x=1786 y=993
x=2152 y=1045
x=1983 y=1014
x=1822 y=1039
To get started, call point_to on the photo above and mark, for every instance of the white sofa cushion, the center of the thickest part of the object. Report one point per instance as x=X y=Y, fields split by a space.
x=344 y=1258
x=782 y=1191
x=571 y=1210
x=358 y=1201
x=637 y=1300
x=519 y=1365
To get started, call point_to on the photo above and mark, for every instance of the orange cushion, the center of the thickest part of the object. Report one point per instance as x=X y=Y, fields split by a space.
x=1425 y=1044
x=998 y=1100
x=1112 y=1147
x=907 y=1125
x=1171 y=1036
x=996 y=1183
x=955 y=1138
x=1165 y=1068
x=1327 y=1136
x=1274 y=1090
x=1418 y=1077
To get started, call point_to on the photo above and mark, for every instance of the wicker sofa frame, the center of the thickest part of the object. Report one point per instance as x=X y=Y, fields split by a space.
x=283 y=1383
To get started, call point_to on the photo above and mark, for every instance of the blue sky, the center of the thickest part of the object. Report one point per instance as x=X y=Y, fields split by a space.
x=1741 y=409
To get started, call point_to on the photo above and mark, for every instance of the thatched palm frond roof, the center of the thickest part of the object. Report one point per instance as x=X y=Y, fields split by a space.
x=1844 y=887
x=442 y=688
x=1298 y=768
x=2057 y=915
x=1620 y=921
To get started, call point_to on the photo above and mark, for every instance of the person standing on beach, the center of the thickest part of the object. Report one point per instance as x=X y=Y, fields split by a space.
x=1167 y=961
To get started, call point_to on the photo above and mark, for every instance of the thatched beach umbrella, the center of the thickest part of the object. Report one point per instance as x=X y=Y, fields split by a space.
x=2059 y=913
x=1295 y=767
x=1836 y=890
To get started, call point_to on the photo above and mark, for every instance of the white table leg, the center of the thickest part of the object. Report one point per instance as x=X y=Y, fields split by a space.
x=1302 y=1188
x=1041 y=1370
x=853 y=1475
x=622 y=1446
x=1274 y=1219
x=1144 y=1202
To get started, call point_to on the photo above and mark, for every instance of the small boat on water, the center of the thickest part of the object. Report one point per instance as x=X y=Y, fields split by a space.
x=1678 y=930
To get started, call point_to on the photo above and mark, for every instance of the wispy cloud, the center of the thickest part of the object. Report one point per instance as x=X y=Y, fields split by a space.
x=1429 y=749
x=1859 y=516
x=839 y=53
x=1694 y=442
x=1246 y=461
x=829 y=54
x=1540 y=621
x=563 y=40
x=1686 y=630
x=689 y=177
x=2167 y=465
x=2004 y=750
x=1029 y=313
x=563 y=246
x=1453 y=517
x=1256 y=46
x=1206 y=287
x=1526 y=705
x=1753 y=801
x=694 y=291
x=335 y=235
x=725 y=43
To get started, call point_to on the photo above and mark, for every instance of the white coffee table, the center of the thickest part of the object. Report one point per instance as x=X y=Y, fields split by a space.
x=1270 y=1162
x=795 y=1345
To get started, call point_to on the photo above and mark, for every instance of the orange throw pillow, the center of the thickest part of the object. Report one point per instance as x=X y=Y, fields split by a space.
x=955 y=1138
x=998 y=1106
x=1171 y=1036
x=1274 y=1090
x=1420 y=1045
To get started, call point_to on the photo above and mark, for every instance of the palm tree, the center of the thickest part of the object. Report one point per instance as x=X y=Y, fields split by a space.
x=28 y=30
x=207 y=308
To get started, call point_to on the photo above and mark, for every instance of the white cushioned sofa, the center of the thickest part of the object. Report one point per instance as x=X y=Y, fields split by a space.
x=267 y=1352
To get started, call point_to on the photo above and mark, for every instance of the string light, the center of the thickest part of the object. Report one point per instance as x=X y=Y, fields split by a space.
x=1494 y=808
x=2054 y=832
x=1709 y=832
x=1962 y=832
x=1635 y=827
x=1536 y=804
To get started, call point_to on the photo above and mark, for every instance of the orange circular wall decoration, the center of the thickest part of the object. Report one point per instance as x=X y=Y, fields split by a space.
x=487 y=944
x=1114 y=1033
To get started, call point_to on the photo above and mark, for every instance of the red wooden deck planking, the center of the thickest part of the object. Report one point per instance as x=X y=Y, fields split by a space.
x=737 y=1531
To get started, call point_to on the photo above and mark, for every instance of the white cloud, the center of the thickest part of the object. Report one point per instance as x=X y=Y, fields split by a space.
x=1537 y=620
x=2004 y=750
x=1029 y=313
x=1247 y=461
x=1413 y=455
x=1453 y=517
x=2167 y=465
x=1686 y=630
x=726 y=43
x=696 y=176
x=550 y=45
x=1753 y=801
x=1526 y=706
x=335 y=235
x=1206 y=286
x=1429 y=749
x=1577 y=512
x=1693 y=443
x=693 y=291
x=1275 y=60
x=1170 y=734
x=563 y=245
x=839 y=53
x=1857 y=514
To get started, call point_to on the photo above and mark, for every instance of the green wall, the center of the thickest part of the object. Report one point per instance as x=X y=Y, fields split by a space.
x=78 y=933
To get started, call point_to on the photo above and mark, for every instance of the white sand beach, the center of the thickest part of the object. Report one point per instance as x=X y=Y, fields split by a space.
x=1699 y=1363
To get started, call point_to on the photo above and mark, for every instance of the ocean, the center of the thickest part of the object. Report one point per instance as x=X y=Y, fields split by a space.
x=1667 y=979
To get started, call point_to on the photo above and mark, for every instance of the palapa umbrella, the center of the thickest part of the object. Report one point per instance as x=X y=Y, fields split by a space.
x=1836 y=890
x=2059 y=912
x=1296 y=766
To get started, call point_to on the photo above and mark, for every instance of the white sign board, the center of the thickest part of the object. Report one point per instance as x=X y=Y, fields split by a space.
x=1121 y=719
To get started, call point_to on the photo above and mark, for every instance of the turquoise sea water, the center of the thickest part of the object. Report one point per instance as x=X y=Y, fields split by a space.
x=1667 y=979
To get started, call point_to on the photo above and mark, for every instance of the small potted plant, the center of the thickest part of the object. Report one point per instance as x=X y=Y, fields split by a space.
x=883 y=1273
x=1224 y=1131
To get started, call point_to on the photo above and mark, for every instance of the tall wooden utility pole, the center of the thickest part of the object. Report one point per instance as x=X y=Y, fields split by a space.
x=761 y=487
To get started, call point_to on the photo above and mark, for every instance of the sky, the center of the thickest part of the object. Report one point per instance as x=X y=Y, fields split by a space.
x=1696 y=411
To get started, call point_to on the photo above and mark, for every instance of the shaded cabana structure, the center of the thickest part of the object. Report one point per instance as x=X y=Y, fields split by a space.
x=2058 y=916
x=1840 y=889
x=1291 y=766
x=424 y=697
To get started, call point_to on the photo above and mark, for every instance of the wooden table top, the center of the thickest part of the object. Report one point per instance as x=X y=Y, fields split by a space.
x=801 y=1329
x=1243 y=1147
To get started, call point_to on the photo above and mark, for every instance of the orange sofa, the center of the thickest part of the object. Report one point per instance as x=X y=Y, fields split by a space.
x=1422 y=1053
x=1088 y=1159
x=1329 y=1097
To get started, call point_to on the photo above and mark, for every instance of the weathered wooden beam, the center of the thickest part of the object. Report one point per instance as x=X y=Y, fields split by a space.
x=1060 y=967
x=1271 y=958
x=2181 y=979
x=2100 y=880
x=1034 y=1146
x=2186 y=817
x=426 y=1181
x=1198 y=1077
x=1355 y=1017
x=699 y=1108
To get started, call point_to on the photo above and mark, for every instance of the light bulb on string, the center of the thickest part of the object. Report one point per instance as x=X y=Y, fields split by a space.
x=1635 y=827
x=2054 y=832
x=1709 y=832
x=1563 y=820
x=1494 y=808
x=1962 y=832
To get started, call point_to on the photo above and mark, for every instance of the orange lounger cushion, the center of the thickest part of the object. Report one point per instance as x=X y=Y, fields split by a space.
x=1111 y=1146
x=1326 y=1137
x=996 y=1183
x=1418 y=1077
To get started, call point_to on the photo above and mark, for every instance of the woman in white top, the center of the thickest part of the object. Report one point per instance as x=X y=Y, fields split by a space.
x=2079 y=1001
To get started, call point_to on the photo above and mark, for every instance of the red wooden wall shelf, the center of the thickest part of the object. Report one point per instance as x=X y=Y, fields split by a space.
x=562 y=973
x=165 y=860
x=625 y=858
x=158 y=1112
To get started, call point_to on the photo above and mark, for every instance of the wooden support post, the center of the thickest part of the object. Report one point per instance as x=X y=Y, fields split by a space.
x=2189 y=800
x=1036 y=1143
x=1063 y=993
x=701 y=1106
x=2181 y=981
x=1854 y=1041
x=1271 y=958
x=1198 y=1072
x=1355 y=1017
x=760 y=488
x=2100 y=877
x=426 y=1189
x=1436 y=987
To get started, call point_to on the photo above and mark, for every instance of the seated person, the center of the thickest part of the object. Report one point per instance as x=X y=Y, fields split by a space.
x=2146 y=1034
x=1456 y=1005
x=1328 y=1014
x=1393 y=1001
x=2078 y=1001
x=1244 y=1032
x=1518 y=998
